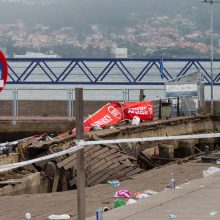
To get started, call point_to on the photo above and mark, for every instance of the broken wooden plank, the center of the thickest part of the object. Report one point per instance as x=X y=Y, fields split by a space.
x=147 y=160
x=64 y=183
x=95 y=176
x=72 y=157
x=11 y=182
x=73 y=162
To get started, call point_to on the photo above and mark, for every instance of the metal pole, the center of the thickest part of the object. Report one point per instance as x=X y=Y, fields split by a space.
x=212 y=50
x=141 y=95
x=81 y=207
x=15 y=106
x=69 y=104
x=212 y=55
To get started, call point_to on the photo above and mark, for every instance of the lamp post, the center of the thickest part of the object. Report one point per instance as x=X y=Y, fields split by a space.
x=212 y=55
x=212 y=51
x=211 y=2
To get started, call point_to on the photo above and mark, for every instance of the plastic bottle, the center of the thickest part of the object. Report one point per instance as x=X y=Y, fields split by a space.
x=172 y=182
x=99 y=211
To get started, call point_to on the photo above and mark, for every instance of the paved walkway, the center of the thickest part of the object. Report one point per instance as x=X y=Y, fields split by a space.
x=198 y=199
x=42 y=205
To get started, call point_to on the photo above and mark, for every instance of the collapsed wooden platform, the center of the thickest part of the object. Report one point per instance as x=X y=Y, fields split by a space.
x=102 y=162
x=109 y=161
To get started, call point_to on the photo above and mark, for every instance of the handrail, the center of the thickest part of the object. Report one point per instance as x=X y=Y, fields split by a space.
x=105 y=71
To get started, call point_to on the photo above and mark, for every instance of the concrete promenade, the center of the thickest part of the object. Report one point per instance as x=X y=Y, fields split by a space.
x=198 y=199
x=43 y=205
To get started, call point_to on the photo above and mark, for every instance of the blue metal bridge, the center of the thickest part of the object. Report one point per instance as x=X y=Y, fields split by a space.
x=106 y=71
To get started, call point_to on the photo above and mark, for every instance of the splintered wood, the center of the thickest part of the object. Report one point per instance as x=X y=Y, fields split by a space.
x=102 y=162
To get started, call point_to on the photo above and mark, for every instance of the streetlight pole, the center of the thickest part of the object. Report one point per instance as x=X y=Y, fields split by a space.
x=212 y=53
x=212 y=50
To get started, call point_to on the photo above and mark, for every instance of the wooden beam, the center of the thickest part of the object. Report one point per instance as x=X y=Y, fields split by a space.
x=81 y=206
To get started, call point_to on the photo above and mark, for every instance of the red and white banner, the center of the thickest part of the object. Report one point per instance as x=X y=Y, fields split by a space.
x=109 y=114
x=144 y=110
x=115 y=112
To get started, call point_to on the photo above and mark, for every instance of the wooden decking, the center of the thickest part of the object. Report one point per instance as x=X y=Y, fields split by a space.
x=42 y=205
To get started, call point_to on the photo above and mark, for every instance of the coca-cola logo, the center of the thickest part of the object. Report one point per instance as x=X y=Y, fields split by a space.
x=114 y=112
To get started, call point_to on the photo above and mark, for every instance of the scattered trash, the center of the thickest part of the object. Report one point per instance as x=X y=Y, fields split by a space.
x=142 y=196
x=136 y=194
x=150 y=192
x=123 y=193
x=105 y=209
x=131 y=202
x=119 y=203
x=28 y=215
x=135 y=121
x=218 y=161
x=99 y=211
x=179 y=187
x=212 y=213
x=97 y=128
x=210 y=171
x=44 y=137
x=114 y=183
x=8 y=147
x=172 y=182
x=211 y=158
x=59 y=217
x=172 y=216
x=139 y=195
x=207 y=150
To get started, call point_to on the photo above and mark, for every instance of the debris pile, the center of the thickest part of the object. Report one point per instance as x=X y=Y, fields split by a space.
x=102 y=162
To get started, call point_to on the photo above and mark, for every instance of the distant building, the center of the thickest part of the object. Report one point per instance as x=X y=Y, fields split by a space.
x=120 y=52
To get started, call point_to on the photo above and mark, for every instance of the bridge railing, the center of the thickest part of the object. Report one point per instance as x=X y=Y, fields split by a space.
x=106 y=71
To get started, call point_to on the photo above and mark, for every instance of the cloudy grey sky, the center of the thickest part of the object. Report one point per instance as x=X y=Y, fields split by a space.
x=86 y=12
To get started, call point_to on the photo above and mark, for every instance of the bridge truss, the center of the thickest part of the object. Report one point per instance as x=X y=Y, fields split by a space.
x=106 y=71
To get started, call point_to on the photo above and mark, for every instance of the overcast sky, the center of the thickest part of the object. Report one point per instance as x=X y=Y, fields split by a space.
x=86 y=12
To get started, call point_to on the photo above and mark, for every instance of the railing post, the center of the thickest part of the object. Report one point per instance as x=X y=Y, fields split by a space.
x=141 y=95
x=125 y=95
x=69 y=104
x=15 y=106
x=160 y=109
x=128 y=95
x=178 y=106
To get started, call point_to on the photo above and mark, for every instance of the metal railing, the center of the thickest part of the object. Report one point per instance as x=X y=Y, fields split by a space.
x=83 y=71
x=44 y=102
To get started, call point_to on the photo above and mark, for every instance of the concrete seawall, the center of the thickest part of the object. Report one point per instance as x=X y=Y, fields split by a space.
x=37 y=117
x=46 y=108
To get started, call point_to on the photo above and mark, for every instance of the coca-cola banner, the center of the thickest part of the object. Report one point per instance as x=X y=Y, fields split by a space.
x=109 y=114
x=115 y=112
x=144 y=110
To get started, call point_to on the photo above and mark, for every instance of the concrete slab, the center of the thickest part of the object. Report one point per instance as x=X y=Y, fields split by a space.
x=198 y=199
